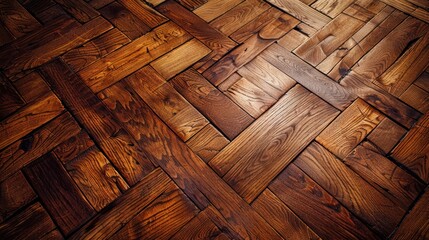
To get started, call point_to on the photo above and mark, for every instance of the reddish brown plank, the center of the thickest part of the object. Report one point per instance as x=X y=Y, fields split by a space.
x=143 y=11
x=31 y=87
x=9 y=98
x=386 y=128
x=36 y=144
x=309 y=201
x=265 y=148
x=63 y=200
x=71 y=148
x=90 y=112
x=198 y=91
x=207 y=142
x=17 y=19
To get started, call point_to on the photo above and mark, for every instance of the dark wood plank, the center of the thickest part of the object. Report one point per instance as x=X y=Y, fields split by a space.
x=32 y=223
x=416 y=98
x=207 y=142
x=350 y=128
x=309 y=77
x=383 y=174
x=79 y=9
x=74 y=146
x=15 y=194
x=190 y=173
x=9 y=98
x=37 y=56
x=114 y=141
x=253 y=46
x=82 y=56
x=265 y=148
x=386 y=128
x=149 y=15
x=17 y=19
x=416 y=223
x=310 y=201
x=31 y=87
x=63 y=200
x=216 y=41
x=232 y=120
x=281 y=217
x=36 y=144
x=98 y=180
x=132 y=26
x=413 y=150
x=126 y=60
x=350 y=189
x=29 y=118
x=172 y=208
x=190 y=4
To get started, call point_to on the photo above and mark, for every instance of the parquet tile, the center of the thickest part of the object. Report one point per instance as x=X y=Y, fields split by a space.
x=214 y=119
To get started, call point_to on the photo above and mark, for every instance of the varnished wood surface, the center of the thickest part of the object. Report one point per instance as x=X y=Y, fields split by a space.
x=214 y=119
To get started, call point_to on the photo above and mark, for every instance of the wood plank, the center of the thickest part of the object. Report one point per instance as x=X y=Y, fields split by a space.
x=280 y=134
x=367 y=43
x=15 y=194
x=90 y=112
x=98 y=180
x=105 y=224
x=119 y=64
x=249 y=49
x=250 y=97
x=180 y=58
x=415 y=224
x=56 y=47
x=310 y=78
x=386 y=128
x=29 y=118
x=88 y=53
x=232 y=120
x=172 y=208
x=302 y=12
x=310 y=201
x=350 y=128
x=423 y=81
x=146 y=13
x=32 y=223
x=416 y=98
x=132 y=26
x=207 y=142
x=97 y=4
x=328 y=39
x=381 y=100
x=36 y=144
x=191 y=174
x=10 y=99
x=53 y=235
x=332 y=8
x=192 y=4
x=72 y=147
x=238 y=16
x=62 y=199
x=252 y=27
x=214 y=8
x=292 y=40
x=281 y=217
x=200 y=227
x=201 y=30
x=31 y=87
x=382 y=56
x=267 y=77
x=380 y=172
x=350 y=189
x=17 y=19
x=413 y=150
x=79 y=9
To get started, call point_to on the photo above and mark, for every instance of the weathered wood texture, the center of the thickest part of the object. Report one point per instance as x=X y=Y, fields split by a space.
x=214 y=119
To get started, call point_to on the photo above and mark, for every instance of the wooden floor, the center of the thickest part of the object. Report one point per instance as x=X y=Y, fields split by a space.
x=214 y=119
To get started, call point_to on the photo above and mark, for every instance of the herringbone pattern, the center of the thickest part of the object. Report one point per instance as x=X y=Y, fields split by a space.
x=214 y=119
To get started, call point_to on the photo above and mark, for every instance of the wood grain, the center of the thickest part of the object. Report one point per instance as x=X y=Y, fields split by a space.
x=63 y=200
x=74 y=146
x=331 y=7
x=112 y=68
x=9 y=98
x=416 y=98
x=307 y=76
x=17 y=19
x=207 y=142
x=29 y=118
x=89 y=110
x=200 y=227
x=293 y=122
x=386 y=128
x=350 y=189
x=310 y=201
x=31 y=87
x=207 y=99
x=149 y=15
x=350 y=128
x=214 y=8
